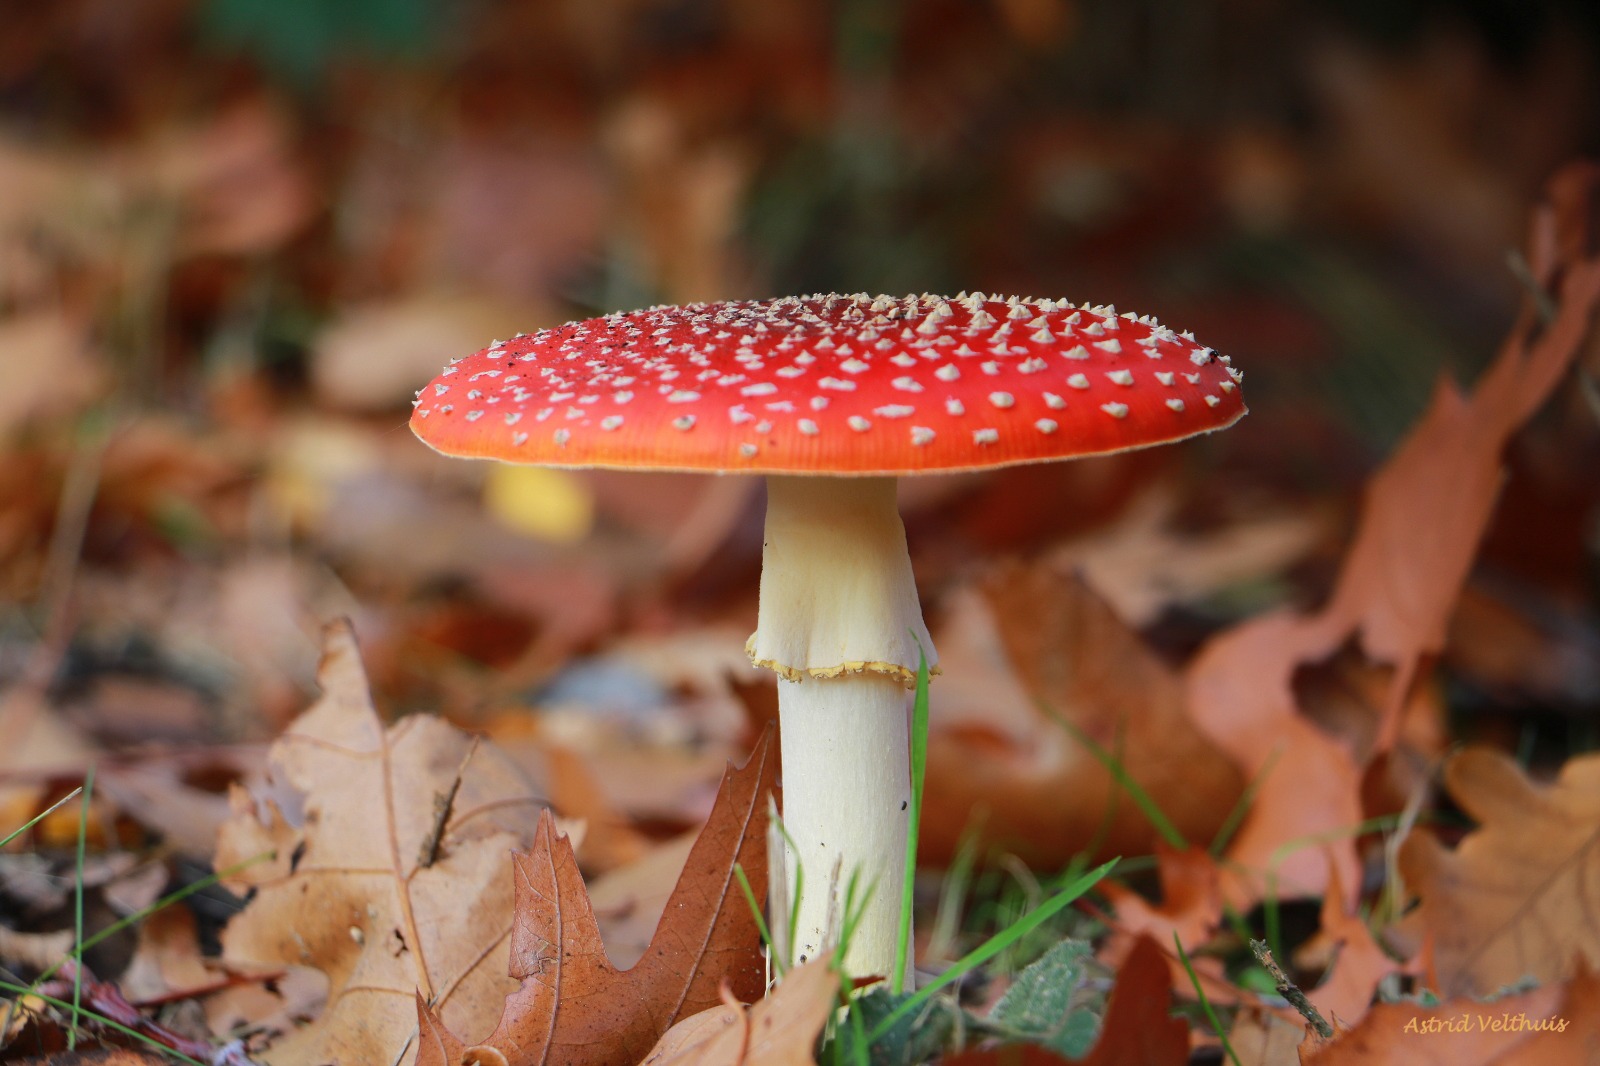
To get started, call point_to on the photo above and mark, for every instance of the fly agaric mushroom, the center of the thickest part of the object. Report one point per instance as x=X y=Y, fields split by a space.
x=832 y=398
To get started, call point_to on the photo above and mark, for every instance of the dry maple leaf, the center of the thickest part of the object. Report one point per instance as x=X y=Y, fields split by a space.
x=781 y=1030
x=352 y=891
x=574 y=1007
x=1520 y=895
x=1421 y=522
x=1050 y=642
x=1506 y=1032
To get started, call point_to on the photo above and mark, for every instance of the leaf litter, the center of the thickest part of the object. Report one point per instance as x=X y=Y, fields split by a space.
x=1239 y=725
x=573 y=1006
x=352 y=891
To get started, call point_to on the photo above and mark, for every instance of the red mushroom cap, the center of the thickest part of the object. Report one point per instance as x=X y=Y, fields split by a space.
x=831 y=384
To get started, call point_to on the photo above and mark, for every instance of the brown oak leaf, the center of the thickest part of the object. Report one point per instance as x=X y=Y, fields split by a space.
x=1520 y=895
x=573 y=1007
x=1424 y=514
x=1032 y=644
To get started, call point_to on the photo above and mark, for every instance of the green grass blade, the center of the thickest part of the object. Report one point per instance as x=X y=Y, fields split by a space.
x=953 y=892
x=994 y=946
x=1205 y=1004
x=77 y=906
x=1145 y=802
x=161 y=904
x=761 y=918
x=799 y=888
x=919 y=772
x=170 y=898
x=855 y=905
x=41 y=816
x=1247 y=799
x=60 y=1004
x=862 y=1045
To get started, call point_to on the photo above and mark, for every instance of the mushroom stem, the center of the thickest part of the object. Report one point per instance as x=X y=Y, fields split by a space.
x=846 y=788
x=840 y=623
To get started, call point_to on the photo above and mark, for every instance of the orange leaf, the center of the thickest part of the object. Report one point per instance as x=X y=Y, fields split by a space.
x=1139 y=1029
x=1469 y=1033
x=1037 y=637
x=1359 y=963
x=1190 y=904
x=1191 y=907
x=574 y=1007
x=1421 y=522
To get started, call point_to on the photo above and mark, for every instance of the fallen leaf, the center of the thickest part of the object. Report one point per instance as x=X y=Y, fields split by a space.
x=1265 y=1038
x=50 y=371
x=539 y=502
x=1138 y=1028
x=156 y=794
x=1039 y=639
x=574 y=1007
x=629 y=901
x=691 y=1036
x=609 y=841
x=1142 y=565
x=1357 y=963
x=1518 y=896
x=167 y=958
x=780 y=1030
x=1464 y=1032
x=1575 y=1044
x=1308 y=785
x=374 y=355
x=353 y=891
x=1424 y=514
x=1190 y=907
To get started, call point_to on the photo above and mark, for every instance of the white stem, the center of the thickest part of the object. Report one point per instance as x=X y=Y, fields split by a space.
x=846 y=794
x=840 y=624
x=837 y=596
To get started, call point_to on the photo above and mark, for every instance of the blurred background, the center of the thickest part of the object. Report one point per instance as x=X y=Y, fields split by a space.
x=235 y=235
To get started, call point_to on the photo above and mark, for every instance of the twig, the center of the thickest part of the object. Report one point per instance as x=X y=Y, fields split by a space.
x=1290 y=991
x=443 y=803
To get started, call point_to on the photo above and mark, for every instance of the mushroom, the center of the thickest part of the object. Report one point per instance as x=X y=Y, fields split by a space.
x=832 y=398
